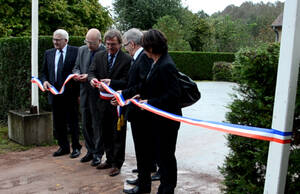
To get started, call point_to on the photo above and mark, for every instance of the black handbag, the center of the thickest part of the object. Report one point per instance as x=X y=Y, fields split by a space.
x=189 y=90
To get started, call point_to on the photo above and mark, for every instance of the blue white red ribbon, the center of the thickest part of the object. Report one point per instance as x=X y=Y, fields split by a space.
x=241 y=130
x=52 y=89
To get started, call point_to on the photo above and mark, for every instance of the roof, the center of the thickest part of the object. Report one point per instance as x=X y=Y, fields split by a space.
x=278 y=21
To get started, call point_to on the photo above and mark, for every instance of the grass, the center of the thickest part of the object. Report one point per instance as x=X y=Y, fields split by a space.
x=7 y=145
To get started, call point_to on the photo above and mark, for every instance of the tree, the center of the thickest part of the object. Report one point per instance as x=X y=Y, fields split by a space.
x=196 y=28
x=143 y=14
x=230 y=35
x=75 y=16
x=174 y=33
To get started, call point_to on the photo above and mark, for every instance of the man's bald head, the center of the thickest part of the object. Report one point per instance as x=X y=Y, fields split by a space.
x=93 y=39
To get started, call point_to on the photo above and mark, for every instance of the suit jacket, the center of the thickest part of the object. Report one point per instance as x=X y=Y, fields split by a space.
x=137 y=75
x=99 y=69
x=161 y=87
x=48 y=71
x=81 y=67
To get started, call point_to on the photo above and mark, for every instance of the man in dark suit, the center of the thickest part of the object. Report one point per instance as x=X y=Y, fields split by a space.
x=111 y=66
x=58 y=64
x=140 y=131
x=88 y=98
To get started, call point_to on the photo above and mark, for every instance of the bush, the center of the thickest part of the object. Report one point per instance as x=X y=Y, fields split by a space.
x=255 y=71
x=198 y=65
x=222 y=71
x=15 y=72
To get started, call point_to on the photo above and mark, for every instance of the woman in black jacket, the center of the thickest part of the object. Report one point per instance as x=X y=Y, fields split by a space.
x=161 y=90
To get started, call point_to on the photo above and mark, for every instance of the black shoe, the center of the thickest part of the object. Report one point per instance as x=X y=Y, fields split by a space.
x=137 y=190
x=135 y=170
x=132 y=182
x=61 y=152
x=96 y=161
x=76 y=152
x=88 y=157
x=155 y=177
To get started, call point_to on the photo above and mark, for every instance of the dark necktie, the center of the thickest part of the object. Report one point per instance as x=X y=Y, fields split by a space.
x=60 y=65
x=92 y=56
x=110 y=63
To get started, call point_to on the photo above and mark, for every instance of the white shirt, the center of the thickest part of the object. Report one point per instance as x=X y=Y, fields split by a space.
x=57 y=56
x=136 y=54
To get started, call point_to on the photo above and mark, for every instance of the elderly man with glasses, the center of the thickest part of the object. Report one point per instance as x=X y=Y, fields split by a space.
x=58 y=64
x=88 y=97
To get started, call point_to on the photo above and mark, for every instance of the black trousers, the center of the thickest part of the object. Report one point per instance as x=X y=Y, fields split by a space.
x=165 y=134
x=114 y=140
x=65 y=116
x=144 y=145
x=154 y=133
x=90 y=126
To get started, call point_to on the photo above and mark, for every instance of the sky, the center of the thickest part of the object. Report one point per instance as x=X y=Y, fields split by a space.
x=209 y=6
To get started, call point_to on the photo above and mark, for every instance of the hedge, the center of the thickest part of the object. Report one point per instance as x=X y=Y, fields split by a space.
x=198 y=65
x=15 y=72
x=15 y=69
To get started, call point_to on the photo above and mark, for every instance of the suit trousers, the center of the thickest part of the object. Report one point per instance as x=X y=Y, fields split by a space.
x=114 y=140
x=144 y=147
x=165 y=134
x=65 y=115
x=90 y=126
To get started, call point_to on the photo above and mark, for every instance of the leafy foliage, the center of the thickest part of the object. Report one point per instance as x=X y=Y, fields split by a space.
x=247 y=25
x=75 y=16
x=143 y=14
x=197 y=30
x=222 y=71
x=255 y=71
x=198 y=65
x=174 y=33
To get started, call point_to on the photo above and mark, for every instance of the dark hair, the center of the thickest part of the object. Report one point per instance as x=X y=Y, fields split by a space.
x=110 y=34
x=155 y=40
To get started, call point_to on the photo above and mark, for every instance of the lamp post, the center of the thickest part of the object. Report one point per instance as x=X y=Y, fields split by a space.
x=34 y=55
x=286 y=89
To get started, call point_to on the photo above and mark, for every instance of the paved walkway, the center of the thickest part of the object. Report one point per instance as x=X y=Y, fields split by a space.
x=199 y=153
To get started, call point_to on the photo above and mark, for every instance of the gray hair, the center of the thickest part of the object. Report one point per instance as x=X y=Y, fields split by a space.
x=63 y=33
x=134 y=35
x=110 y=34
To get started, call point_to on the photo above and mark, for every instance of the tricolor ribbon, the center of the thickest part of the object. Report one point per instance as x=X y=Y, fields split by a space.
x=52 y=89
x=241 y=130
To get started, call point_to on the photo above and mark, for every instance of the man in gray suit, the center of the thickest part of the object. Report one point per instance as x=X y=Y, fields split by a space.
x=88 y=97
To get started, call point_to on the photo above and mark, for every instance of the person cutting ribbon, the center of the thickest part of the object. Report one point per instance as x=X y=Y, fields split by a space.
x=111 y=66
x=57 y=67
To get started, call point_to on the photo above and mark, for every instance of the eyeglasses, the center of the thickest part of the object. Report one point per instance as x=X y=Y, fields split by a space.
x=126 y=44
x=57 y=39
x=90 y=43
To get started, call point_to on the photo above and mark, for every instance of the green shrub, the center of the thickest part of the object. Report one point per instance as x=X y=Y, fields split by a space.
x=198 y=65
x=222 y=71
x=15 y=72
x=244 y=170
